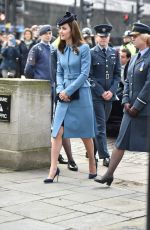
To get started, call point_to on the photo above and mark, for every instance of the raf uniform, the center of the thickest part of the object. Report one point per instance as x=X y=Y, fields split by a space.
x=39 y=62
x=134 y=130
x=42 y=62
x=104 y=76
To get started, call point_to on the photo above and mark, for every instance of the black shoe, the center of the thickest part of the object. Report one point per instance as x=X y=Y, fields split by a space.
x=92 y=176
x=105 y=179
x=61 y=160
x=49 y=180
x=106 y=162
x=72 y=166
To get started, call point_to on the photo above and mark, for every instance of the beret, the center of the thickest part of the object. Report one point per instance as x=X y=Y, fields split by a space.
x=44 y=29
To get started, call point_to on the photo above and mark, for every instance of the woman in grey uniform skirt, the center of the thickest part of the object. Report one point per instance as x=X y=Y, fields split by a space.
x=74 y=116
x=134 y=134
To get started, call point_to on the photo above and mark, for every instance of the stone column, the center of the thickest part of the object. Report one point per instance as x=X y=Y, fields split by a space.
x=25 y=139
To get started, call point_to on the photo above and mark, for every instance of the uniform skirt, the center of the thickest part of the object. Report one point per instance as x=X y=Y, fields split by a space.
x=77 y=117
x=134 y=134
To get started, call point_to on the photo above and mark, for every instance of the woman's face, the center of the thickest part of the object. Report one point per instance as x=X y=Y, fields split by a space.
x=65 y=32
x=138 y=41
x=27 y=35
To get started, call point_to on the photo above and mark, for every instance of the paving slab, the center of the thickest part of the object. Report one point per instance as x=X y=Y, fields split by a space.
x=132 y=224
x=37 y=210
x=68 y=216
x=120 y=204
x=7 y=216
x=92 y=221
x=28 y=224
x=8 y=198
x=38 y=187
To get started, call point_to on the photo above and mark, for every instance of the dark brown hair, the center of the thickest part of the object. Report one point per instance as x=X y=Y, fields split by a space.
x=127 y=51
x=77 y=39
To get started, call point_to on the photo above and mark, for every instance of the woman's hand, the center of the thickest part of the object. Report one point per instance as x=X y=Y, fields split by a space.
x=63 y=96
x=133 y=112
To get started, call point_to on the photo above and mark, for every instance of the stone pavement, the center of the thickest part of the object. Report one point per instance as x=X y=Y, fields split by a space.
x=76 y=203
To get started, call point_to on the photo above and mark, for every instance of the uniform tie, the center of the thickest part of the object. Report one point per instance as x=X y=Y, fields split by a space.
x=138 y=56
x=104 y=51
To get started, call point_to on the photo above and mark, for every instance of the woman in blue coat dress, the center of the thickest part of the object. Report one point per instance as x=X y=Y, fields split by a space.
x=74 y=116
x=134 y=134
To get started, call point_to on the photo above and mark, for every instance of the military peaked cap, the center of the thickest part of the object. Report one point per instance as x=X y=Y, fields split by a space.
x=103 y=29
x=140 y=28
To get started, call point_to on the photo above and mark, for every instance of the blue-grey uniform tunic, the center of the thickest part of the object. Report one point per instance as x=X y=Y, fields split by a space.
x=77 y=116
x=104 y=75
x=134 y=132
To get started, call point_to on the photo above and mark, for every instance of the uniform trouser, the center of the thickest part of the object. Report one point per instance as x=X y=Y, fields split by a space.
x=102 y=111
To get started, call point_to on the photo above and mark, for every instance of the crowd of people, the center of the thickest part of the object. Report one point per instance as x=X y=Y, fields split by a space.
x=85 y=72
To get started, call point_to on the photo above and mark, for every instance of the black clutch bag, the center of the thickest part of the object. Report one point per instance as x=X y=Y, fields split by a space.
x=74 y=96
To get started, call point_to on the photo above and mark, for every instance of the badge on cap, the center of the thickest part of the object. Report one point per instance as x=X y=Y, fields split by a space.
x=104 y=29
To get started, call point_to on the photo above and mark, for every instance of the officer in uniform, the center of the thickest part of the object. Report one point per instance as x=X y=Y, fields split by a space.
x=134 y=130
x=104 y=77
x=38 y=64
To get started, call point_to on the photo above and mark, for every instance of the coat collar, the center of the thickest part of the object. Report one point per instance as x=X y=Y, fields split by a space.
x=100 y=53
x=141 y=59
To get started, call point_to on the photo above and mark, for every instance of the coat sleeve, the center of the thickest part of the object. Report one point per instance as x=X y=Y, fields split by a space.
x=95 y=86
x=59 y=76
x=116 y=74
x=144 y=95
x=85 y=69
x=125 y=98
x=30 y=64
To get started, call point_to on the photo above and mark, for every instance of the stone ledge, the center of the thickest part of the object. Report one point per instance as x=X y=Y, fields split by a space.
x=25 y=160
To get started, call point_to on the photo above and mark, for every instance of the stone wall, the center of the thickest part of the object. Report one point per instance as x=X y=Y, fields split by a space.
x=25 y=140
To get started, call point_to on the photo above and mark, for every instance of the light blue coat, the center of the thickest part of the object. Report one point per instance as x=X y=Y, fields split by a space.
x=77 y=116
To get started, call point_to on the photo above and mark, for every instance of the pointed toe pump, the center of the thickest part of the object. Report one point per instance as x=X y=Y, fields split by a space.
x=49 y=180
x=103 y=180
x=92 y=176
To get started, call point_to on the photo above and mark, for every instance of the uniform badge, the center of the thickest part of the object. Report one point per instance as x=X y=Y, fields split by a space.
x=141 y=67
x=104 y=29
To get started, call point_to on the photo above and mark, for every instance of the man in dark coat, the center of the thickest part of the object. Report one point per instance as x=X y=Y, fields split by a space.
x=104 y=77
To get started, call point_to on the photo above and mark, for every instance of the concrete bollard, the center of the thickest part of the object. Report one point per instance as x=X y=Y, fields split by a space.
x=25 y=132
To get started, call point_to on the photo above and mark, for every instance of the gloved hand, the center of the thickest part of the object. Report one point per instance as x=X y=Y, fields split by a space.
x=127 y=106
x=133 y=112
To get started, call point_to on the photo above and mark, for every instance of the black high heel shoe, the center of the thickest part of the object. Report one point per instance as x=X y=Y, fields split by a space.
x=49 y=180
x=61 y=160
x=106 y=179
x=92 y=176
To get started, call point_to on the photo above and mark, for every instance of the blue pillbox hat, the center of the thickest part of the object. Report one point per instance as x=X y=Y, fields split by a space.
x=68 y=17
